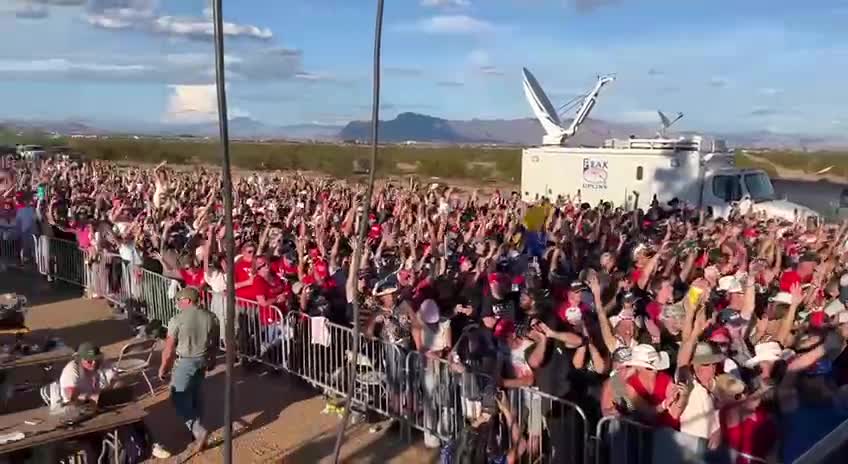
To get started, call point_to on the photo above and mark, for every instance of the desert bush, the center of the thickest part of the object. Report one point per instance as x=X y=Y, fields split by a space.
x=336 y=160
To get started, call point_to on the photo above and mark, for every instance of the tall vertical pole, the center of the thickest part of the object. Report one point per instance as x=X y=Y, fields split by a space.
x=363 y=226
x=229 y=332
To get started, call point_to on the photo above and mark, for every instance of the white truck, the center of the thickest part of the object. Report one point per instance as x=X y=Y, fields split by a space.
x=630 y=172
x=31 y=152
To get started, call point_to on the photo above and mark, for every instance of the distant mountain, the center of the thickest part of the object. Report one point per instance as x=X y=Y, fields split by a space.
x=525 y=131
x=240 y=127
x=528 y=131
x=419 y=128
x=409 y=126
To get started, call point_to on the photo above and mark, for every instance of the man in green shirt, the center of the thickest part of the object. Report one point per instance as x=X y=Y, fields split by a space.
x=190 y=350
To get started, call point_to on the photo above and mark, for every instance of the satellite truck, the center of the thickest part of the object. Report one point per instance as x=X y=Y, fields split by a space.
x=630 y=172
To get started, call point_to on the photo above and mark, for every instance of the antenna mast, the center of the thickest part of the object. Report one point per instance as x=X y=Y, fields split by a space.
x=586 y=107
x=546 y=113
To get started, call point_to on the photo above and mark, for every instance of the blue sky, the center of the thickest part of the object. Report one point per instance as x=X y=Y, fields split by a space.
x=728 y=65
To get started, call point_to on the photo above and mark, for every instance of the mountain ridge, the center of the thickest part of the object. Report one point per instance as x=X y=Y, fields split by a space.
x=419 y=128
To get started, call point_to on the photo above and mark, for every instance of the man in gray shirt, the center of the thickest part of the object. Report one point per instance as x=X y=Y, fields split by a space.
x=190 y=349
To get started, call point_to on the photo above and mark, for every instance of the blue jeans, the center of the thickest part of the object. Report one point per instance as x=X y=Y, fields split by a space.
x=186 y=392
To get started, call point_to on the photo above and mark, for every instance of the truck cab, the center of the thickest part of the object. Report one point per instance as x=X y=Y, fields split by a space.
x=32 y=152
x=725 y=188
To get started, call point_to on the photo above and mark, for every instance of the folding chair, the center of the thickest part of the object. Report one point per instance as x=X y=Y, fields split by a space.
x=135 y=359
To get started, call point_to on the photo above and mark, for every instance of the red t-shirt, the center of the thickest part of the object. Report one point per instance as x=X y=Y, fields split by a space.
x=754 y=436
x=654 y=310
x=241 y=273
x=193 y=277
x=283 y=270
x=635 y=276
x=790 y=278
x=656 y=397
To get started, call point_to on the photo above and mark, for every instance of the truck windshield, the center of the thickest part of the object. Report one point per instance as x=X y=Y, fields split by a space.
x=759 y=186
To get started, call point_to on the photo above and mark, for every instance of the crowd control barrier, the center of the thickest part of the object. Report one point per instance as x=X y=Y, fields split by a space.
x=625 y=441
x=321 y=352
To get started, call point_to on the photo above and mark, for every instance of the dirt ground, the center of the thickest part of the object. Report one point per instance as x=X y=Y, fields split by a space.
x=279 y=417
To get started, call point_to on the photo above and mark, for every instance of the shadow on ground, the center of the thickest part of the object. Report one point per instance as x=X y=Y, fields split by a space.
x=259 y=401
x=36 y=288
x=358 y=447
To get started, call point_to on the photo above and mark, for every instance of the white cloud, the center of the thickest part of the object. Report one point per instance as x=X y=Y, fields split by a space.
x=146 y=15
x=450 y=25
x=196 y=104
x=770 y=91
x=34 y=9
x=446 y=3
x=267 y=65
x=192 y=103
x=61 y=67
x=204 y=28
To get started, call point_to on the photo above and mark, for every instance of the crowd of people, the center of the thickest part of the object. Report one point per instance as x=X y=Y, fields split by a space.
x=729 y=330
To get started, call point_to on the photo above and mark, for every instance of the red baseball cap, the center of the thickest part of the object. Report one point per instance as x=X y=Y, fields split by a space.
x=496 y=277
x=818 y=319
x=720 y=332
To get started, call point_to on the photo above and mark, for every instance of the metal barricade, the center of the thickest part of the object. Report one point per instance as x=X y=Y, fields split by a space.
x=554 y=430
x=263 y=333
x=441 y=395
x=64 y=261
x=156 y=294
x=10 y=251
x=622 y=440
x=322 y=353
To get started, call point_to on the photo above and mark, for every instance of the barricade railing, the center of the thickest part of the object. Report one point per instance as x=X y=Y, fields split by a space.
x=441 y=395
x=155 y=293
x=555 y=430
x=321 y=353
x=63 y=260
x=10 y=250
x=263 y=334
x=623 y=440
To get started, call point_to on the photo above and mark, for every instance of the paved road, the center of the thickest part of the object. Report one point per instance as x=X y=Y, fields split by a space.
x=820 y=196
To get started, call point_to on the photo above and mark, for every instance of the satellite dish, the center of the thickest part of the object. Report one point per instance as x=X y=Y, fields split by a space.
x=666 y=122
x=542 y=107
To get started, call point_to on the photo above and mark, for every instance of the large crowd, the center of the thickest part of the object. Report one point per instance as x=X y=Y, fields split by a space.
x=730 y=330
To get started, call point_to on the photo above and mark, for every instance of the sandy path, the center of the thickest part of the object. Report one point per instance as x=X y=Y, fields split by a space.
x=281 y=414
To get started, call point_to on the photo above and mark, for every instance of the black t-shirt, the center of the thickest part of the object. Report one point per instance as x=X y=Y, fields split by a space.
x=506 y=308
x=555 y=375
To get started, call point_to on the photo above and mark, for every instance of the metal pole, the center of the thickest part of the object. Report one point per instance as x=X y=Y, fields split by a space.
x=229 y=332
x=363 y=226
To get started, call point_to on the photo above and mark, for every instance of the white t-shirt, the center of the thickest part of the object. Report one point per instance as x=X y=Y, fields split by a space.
x=216 y=280
x=129 y=254
x=699 y=417
x=85 y=382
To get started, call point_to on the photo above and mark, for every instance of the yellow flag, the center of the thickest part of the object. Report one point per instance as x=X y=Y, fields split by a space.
x=534 y=218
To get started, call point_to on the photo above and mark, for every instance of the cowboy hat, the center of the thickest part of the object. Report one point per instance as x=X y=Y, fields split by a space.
x=765 y=352
x=646 y=356
x=705 y=354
